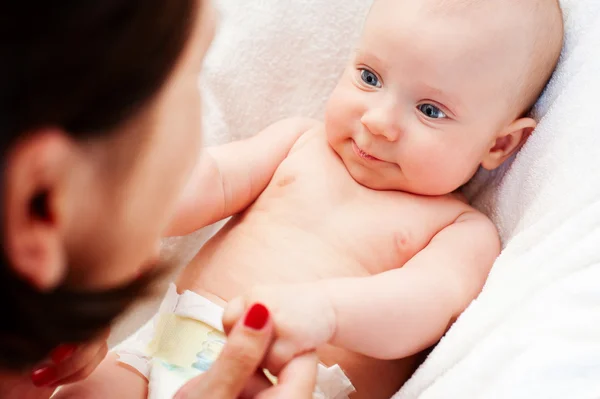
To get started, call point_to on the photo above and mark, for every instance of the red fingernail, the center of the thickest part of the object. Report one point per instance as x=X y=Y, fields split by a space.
x=43 y=376
x=139 y=274
x=62 y=353
x=257 y=317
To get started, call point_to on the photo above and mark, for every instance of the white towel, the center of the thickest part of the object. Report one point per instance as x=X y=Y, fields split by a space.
x=274 y=59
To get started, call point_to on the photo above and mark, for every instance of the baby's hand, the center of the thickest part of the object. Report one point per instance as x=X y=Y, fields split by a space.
x=302 y=313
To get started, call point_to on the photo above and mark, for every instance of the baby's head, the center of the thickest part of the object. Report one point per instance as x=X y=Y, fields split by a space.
x=438 y=88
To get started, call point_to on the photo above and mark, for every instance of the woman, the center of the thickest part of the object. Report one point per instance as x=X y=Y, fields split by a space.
x=100 y=128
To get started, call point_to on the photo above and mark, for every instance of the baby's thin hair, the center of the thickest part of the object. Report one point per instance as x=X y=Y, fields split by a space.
x=547 y=47
x=456 y=4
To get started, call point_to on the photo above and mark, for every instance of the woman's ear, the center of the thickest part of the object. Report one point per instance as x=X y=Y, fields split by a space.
x=507 y=142
x=34 y=182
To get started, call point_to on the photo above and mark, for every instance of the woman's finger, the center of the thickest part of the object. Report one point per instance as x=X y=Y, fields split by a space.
x=80 y=359
x=49 y=374
x=67 y=360
x=296 y=381
x=257 y=384
x=244 y=351
x=84 y=372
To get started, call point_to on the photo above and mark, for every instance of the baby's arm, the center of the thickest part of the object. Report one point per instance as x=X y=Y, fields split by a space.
x=403 y=311
x=388 y=316
x=228 y=178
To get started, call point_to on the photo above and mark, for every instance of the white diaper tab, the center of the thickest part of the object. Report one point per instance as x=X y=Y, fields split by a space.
x=194 y=306
x=332 y=383
x=183 y=340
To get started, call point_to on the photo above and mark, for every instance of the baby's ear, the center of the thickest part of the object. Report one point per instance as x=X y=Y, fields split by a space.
x=507 y=142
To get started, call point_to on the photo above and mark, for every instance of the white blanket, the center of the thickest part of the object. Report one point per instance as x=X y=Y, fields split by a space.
x=534 y=332
x=273 y=59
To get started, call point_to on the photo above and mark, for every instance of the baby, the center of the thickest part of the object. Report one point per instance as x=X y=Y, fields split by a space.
x=351 y=231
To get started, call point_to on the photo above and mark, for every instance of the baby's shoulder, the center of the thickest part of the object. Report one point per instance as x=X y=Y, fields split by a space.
x=459 y=205
x=446 y=207
x=454 y=210
x=299 y=123
x=312 y=131
x=477 y=228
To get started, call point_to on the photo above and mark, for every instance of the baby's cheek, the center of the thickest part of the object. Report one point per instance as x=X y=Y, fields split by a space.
x=336 y=132
x=343 y=106
x=333 y=120
x=437 y=174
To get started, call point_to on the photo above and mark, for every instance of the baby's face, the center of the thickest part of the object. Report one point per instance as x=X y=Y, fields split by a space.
x=422 y=99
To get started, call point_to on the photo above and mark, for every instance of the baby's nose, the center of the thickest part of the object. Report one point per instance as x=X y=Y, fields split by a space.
x=381 y=121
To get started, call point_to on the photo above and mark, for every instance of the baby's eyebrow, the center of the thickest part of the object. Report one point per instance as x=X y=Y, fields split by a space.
x=370 y=58
x=451 y=102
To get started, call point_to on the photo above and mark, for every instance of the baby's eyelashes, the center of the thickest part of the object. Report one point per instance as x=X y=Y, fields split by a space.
x=431 y=111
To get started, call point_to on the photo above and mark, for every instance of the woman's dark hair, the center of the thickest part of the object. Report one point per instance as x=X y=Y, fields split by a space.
x=86 y=66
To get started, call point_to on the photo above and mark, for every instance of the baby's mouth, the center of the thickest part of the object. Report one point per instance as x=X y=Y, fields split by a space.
x=363 y=154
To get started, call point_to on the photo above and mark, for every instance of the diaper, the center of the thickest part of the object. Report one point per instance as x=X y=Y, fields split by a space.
x=183 y=340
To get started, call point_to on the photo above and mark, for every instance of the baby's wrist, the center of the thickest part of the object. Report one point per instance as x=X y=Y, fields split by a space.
x=324 y=289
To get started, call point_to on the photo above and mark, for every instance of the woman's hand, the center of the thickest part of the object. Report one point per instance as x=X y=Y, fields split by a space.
x=70 y=363
x=235 y=373
x=303 y=319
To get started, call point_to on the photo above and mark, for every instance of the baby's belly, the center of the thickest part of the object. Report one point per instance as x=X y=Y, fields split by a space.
x=252 y=253
x=246 y=253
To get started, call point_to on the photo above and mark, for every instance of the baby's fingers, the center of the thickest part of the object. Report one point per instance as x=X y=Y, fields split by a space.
x=233 y=312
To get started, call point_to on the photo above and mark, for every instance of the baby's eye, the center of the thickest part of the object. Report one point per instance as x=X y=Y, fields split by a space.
x=369 y=78
x=431 y=111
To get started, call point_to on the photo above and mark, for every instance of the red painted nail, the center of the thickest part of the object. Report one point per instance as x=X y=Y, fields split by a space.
x=257 y=317
x=43 y=376
x=62 y=353
x=139 y=273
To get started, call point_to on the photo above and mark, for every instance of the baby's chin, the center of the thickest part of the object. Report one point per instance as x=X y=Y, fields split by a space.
x=383 y=182
x=373 y=181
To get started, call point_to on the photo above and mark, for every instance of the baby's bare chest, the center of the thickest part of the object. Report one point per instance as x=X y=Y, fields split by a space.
x=313 y=192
